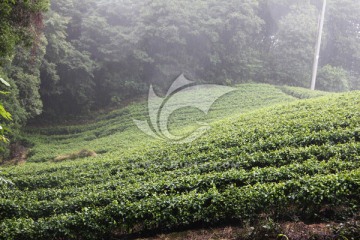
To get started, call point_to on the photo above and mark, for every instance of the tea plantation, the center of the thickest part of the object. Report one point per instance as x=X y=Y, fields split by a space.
x=279 y=151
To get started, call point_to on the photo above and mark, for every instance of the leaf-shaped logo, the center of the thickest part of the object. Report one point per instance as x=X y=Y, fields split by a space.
x=182 y=93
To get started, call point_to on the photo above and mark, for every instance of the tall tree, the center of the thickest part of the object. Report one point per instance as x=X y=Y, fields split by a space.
x=20 y=30
x=66 y=73
x=293 y=45
x=342 y=47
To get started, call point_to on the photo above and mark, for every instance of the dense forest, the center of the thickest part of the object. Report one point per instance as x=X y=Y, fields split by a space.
x=68 y=57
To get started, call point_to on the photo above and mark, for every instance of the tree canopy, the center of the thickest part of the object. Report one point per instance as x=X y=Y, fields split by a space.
x=90 y=54
x=21 y=24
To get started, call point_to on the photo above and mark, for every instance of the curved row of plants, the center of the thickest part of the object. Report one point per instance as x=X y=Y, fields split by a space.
x=303 y=155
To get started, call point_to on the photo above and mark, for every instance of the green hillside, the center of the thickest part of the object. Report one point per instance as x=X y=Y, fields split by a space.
x=267 y=153
x=116 y=132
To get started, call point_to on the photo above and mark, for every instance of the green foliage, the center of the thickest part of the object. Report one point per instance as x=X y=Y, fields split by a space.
x=290 y=34
x=18 y=23
x=20 y=28
x=342 y=48
x=101 y=54
x=291 y=53
x=67 y=73
x=301 y=93
x=299 y=156
x=333 y=79
x=145 y=42
x=11 y=102
x=26 y=76
x=117 y=130
x=5 y=115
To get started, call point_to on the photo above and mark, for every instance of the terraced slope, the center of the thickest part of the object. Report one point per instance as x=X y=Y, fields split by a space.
x=297 y=158
x=116 y=132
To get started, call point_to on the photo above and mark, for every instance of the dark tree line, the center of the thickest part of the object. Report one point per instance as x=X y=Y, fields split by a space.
x=102 y=53
x=98 y=53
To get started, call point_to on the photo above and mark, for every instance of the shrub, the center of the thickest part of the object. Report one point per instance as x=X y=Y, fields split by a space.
x=333 y=79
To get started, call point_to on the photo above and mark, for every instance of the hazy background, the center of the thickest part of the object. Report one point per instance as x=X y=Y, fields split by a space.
x=97 y=54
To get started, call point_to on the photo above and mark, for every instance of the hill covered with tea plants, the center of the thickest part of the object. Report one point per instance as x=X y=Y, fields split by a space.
x=283 y=152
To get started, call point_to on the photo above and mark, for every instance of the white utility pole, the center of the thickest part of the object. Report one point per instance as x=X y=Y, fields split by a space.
x=318 y=45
